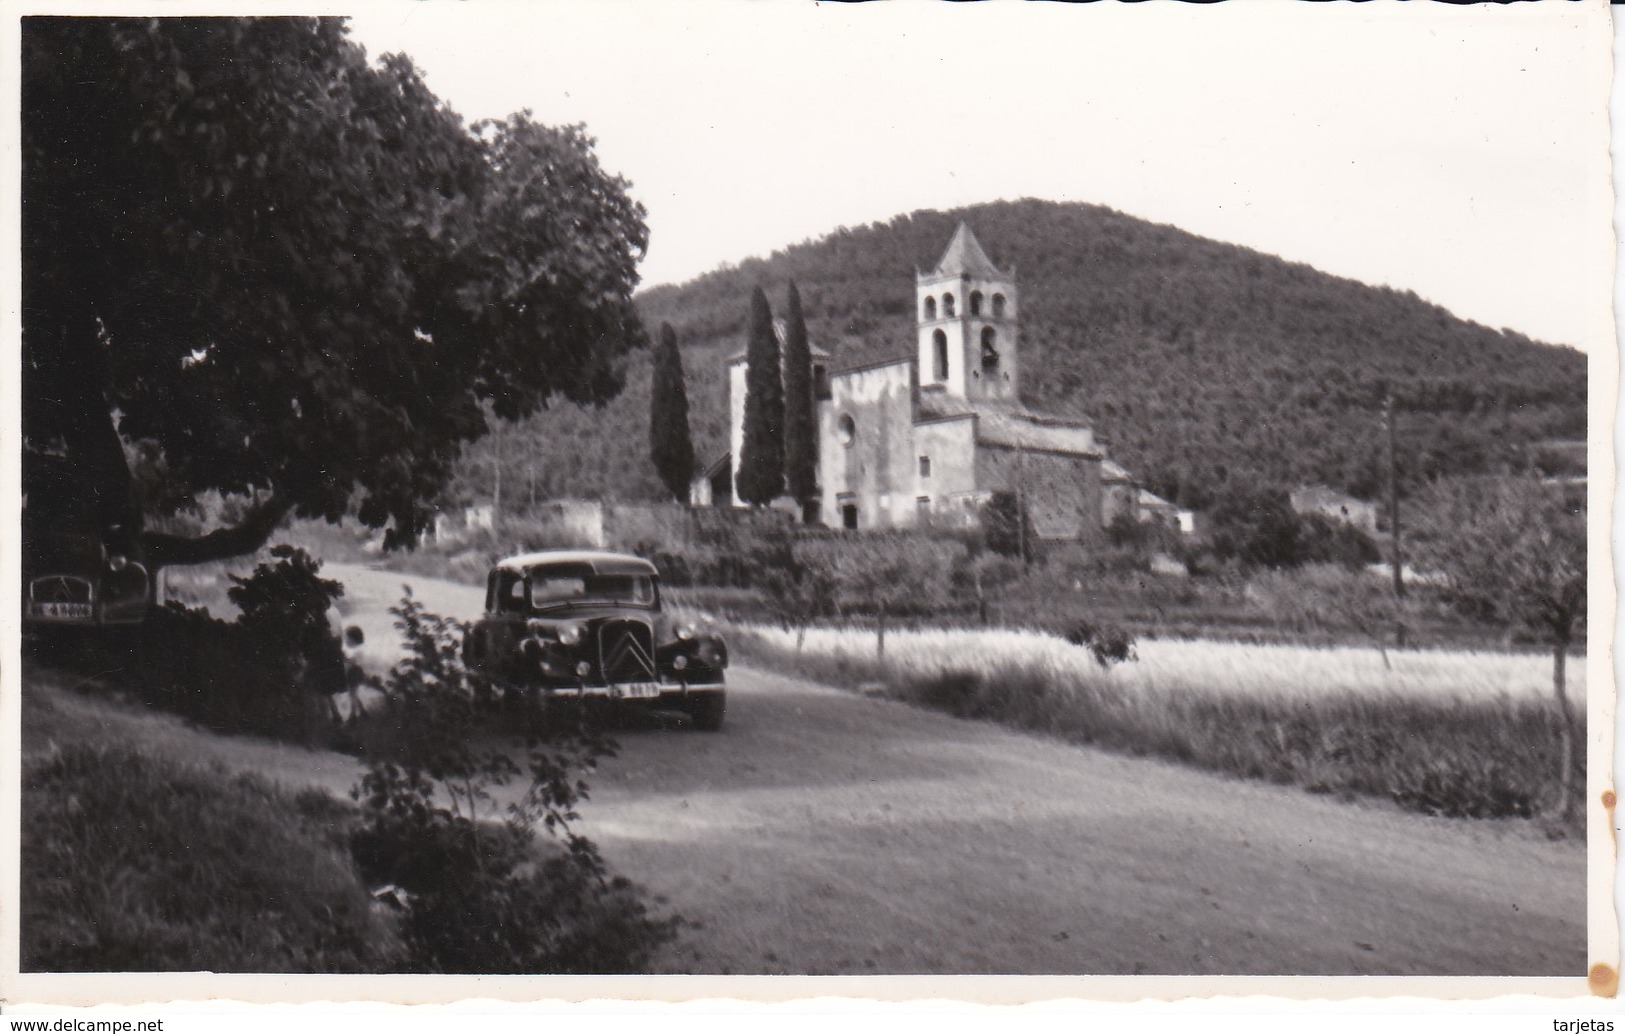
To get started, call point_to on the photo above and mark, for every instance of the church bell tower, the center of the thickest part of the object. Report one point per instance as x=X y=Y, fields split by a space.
x=967 y=315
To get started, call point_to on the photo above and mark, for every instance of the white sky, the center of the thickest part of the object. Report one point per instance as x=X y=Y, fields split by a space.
x=1460 y=153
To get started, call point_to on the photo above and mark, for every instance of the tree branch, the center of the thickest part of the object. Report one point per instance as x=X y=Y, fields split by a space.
x=161 y=550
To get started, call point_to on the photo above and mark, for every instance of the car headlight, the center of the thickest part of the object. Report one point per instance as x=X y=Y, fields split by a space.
x=685 y=632
x=570 y=635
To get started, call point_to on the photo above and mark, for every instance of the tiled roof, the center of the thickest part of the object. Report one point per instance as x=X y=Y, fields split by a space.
x=1110 y=470
x=778 y=331
x=965 y=255
x=1014 y=426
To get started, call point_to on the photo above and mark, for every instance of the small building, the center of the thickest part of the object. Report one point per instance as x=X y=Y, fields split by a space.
x=929 y=437
x=1320 y=501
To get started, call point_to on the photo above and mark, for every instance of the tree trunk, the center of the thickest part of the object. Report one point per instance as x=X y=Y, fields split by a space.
x=1566 y=737
x=880 y=636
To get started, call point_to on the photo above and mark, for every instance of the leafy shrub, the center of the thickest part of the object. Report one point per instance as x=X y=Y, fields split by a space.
x=270 y=672
x=131 y=862
x=1007 y=527
x=483 y=896
x=1108 y=644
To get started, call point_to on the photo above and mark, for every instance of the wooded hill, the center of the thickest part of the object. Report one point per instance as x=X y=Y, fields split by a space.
x=1207 y=366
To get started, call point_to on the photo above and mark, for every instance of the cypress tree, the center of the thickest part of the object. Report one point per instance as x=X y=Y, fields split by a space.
x=760 y=476
x=800 y=420
x=670 y=446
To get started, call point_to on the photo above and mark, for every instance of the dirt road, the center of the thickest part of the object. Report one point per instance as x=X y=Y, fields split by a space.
x=824 y=832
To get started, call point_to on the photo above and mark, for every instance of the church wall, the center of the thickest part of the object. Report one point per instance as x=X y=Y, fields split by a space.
x=950 y=445
x=1121 y=500
x=1063 y=492
x=872 y=470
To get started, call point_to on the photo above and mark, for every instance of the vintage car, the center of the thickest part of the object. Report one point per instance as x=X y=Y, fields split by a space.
x=77 y=580
x=590 y=624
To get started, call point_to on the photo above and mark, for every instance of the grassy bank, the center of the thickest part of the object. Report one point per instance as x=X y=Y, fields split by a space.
x=132 y=862
x=1463 y=735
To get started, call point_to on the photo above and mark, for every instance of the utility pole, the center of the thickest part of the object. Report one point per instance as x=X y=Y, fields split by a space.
x=1021 y=500
x=1396 y=556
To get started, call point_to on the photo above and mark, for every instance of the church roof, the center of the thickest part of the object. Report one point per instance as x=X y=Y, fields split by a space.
x=738 y=354
x=1112 y=471
x=1014 y=426
x=965 y=256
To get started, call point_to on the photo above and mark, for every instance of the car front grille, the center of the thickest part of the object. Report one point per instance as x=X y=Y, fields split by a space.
x=626 y=651
x=58 y=588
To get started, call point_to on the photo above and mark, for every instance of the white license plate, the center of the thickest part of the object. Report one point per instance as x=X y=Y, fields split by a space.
x=640 y=690
x=62 y=610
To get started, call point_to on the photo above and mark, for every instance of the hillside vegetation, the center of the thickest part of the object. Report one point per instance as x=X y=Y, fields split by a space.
x=1206 y=365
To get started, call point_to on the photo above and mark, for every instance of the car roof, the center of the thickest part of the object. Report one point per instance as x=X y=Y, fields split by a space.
x=601 y=561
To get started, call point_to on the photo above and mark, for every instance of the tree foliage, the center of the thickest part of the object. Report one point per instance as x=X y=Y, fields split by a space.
x=670 y=446
x=800 y=412
x=759 y=475
x=289 y=275
x=1513 y=550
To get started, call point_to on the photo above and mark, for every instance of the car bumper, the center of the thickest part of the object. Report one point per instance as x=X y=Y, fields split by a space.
x=649 y=692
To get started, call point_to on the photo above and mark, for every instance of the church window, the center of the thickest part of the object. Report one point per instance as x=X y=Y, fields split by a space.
x=948 y=304
x=820 y=383
x=930 y=308
x=939 y=350
x=990 y=350
x=976 y=303
x=925 y=466
x=998 y=306
x=846 y=429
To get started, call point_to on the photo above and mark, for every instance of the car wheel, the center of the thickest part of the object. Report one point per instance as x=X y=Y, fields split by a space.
x=707 y=711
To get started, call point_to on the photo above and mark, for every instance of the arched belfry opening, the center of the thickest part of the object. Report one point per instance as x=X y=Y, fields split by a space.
x=970 y=346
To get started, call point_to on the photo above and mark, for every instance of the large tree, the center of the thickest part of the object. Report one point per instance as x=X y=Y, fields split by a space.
x=1513 y=551
x=670 y=446
x=760 y=477
x=290 y=276
x=800 y=416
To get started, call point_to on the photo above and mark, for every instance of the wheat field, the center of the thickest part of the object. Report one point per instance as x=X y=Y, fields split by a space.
x=1201 y=666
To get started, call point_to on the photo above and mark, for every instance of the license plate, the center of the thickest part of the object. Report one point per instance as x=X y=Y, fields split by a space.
x=62 y=610
x=640 y=690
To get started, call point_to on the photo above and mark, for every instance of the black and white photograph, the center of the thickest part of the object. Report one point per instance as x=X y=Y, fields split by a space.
x=896 y=500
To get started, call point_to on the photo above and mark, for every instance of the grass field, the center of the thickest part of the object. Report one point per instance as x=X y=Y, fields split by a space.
x=1449 y=733
x=1210 y=667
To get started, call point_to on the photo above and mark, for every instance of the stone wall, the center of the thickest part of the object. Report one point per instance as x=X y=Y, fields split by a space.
x=1062 y=491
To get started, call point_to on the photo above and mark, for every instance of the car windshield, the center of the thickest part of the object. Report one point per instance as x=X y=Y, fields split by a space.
x=567 y=585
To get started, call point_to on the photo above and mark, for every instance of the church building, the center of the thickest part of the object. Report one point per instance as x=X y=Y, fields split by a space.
x=929 y=437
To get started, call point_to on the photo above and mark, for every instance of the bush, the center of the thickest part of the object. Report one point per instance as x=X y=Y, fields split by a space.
x=270 y=672
x=1007 y=527
x=1108 y=644
x=482 y=897
x=130 y=862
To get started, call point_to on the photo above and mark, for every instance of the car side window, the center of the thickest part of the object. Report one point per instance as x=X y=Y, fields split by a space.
x=510 y=592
